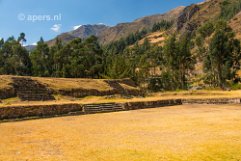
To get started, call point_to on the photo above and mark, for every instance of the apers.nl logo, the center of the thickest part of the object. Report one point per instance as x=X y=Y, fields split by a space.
x=38 y=18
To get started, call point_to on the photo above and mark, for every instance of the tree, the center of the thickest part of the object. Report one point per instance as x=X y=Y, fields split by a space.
x=229 y=9
x=185 y=60
x=178 y=60
x=222 y=60
x=57 y=58
x=163 y=25
x=41 y=61
x=1 y=42
x=14 y=58
x=77 y=58
x=206 y=29
x=118 y=67
x=22 y=39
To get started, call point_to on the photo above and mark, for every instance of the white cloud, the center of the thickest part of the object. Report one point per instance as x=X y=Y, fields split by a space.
x=101 y=23
x=76 y=27
x=34 y=44
x=56 y=27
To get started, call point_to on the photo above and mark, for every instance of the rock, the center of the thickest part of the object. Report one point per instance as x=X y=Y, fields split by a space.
x=185 y=16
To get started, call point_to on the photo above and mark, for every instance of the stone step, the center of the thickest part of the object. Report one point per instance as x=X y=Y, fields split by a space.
x=96 y=107
x=91 y=107
x=106 y=107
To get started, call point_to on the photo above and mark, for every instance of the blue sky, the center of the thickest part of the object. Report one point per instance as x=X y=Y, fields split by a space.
x=48 y=18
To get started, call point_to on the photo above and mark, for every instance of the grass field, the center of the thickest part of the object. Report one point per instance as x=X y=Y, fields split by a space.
x=179 y=133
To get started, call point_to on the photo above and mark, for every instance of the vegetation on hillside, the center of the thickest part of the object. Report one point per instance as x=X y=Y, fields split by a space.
x=229 y=8
x=221 y=55
x=167 y=67
x=163 y=25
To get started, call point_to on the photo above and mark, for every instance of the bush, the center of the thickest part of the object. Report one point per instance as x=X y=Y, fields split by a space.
x=163 y=25
x=165 y=82
x=230 y=9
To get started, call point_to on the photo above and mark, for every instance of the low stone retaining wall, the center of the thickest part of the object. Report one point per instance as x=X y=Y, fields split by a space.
x=15 y=112
x=18 y=112
x=151 y=104
x=212 y=101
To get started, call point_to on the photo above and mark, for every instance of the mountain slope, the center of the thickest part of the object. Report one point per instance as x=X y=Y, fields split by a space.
x=235 y=23
x=194 y=16
x=123 y=30
x=108 y=34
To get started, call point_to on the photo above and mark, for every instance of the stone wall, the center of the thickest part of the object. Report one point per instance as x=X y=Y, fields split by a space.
x=212 y=101
x=103 y=107
x=151 y=104
x=15 y=112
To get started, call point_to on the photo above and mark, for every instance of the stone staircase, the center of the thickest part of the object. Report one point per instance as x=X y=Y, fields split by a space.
x=105 y=107
x=31 y=90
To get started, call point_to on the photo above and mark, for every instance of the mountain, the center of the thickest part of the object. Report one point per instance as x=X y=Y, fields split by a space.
x=194 y=16
x=83 y=32
x=124 y=29
x=186 y=20
x=30 y=47
x=107 y=34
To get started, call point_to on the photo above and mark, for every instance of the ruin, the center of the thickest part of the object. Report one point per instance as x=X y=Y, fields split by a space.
x=29 y=90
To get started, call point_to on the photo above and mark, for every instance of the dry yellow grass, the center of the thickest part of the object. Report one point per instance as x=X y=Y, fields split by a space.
x=202 y=94
x=180 y=133
x=67 y=83
x=5 y=82
x=155 y=38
